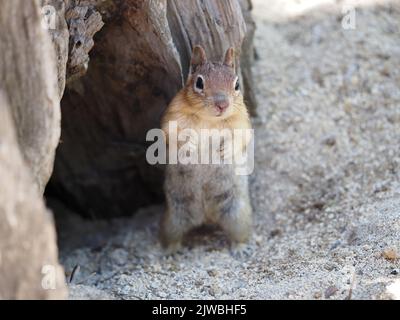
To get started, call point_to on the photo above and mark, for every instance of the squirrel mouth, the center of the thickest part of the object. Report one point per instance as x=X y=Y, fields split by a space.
x=220 y=110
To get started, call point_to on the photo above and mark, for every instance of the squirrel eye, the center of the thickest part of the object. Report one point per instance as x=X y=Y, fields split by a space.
x=199 y=85
x=237 y=85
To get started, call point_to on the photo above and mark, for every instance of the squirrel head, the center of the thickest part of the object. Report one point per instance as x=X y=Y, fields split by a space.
x=213 y=87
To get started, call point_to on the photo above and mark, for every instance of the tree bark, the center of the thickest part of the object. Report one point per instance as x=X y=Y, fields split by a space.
x=247 y=58
x=27 y=75
x=55 y=10
x=139 y=61
x=28 y=252
x=29 y=134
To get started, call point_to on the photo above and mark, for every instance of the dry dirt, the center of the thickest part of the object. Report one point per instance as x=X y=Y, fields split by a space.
x=325 y=191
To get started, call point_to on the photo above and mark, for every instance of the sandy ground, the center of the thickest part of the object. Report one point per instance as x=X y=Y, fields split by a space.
x=325 y=191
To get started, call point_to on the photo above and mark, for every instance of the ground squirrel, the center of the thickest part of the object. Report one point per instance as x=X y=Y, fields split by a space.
x=203 y=193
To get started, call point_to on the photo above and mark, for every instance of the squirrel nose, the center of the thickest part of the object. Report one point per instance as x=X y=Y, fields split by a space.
x=221 y=102
x=222 y=105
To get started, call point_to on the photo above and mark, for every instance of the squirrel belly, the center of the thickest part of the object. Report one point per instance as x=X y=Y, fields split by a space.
x=206 y=193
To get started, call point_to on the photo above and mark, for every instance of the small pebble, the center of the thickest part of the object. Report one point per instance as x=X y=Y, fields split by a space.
x=258 y=239
x=336 y=244
x=330 y=291
x=199 y=283
x=318 y=295
x=329 y=141
x=275 y=233
x=390 y=254
x=214 y=290
x=212 y=273
x=330 y=266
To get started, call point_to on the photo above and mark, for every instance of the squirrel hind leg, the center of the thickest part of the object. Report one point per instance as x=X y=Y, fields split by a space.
x=237 y=224
x=171 y=248
x=175 y=223
x=235 y=219
x=170 y=234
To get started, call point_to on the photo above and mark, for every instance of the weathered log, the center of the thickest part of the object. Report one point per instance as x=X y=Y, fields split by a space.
x=247 y=57
x=53 y=16
x=27 y=74
x=83 y=22
x=72 y=25
x=29 y=134
x=28 y=252
x=139 y=61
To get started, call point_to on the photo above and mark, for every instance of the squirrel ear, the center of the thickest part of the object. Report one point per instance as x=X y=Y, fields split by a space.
x=198 y=57
x=230 y=58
